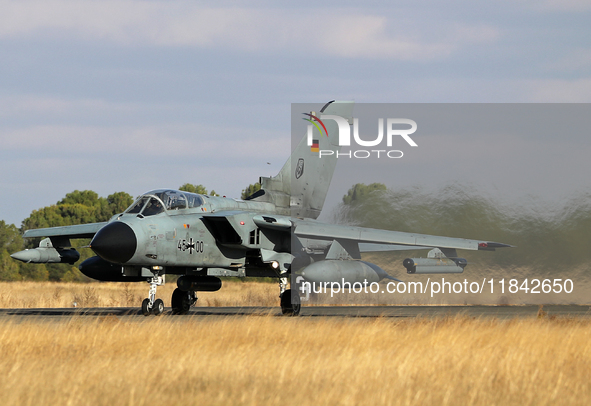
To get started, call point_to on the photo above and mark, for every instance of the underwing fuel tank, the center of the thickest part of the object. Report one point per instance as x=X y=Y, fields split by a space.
x=46 y=254
x=434 y=265
x=343 y=271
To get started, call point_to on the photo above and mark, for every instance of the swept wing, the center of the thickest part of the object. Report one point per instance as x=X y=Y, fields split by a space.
x=75 y=231
x=321 y=231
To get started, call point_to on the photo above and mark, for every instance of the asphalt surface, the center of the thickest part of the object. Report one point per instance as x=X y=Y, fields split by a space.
x=501 y=312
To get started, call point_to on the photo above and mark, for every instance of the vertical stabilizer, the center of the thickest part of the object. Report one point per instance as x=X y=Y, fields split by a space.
x=302 y=184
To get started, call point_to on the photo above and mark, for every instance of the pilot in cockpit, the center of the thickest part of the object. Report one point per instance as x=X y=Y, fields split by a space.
x=153 y=207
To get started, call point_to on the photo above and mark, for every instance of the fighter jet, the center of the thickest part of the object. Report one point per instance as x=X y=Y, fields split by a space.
x=273 y=233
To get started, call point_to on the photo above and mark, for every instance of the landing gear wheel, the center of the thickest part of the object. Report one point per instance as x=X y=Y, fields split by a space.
x=146 y=309
x=176 y=301
x=290 y=306
x=182 y=301
x=158 y=307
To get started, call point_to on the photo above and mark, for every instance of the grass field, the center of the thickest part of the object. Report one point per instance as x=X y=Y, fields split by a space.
x=253 y=360
x=54 y=294
x=259 y=360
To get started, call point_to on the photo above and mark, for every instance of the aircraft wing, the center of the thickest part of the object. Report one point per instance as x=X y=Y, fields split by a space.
x=75 y=231
x=321 y=231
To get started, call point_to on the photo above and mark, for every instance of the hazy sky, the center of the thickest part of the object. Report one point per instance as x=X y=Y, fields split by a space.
x=133 y=95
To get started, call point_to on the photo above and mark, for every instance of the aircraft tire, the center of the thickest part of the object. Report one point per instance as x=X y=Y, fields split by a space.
x=287 y=307
x=158 y=308
x=146 y=307
x=177 y=302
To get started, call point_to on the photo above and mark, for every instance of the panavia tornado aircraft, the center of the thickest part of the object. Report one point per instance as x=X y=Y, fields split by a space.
x=273 y=233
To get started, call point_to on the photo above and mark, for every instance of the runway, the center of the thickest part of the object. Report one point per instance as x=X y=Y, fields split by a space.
x=500 y=312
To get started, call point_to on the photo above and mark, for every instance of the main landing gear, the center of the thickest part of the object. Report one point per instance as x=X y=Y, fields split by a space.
x=182 y=301
x=151 y=305
x=290 y=304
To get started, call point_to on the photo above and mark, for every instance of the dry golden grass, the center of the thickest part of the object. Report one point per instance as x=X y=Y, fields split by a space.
x=60 y=294
x=294 y=361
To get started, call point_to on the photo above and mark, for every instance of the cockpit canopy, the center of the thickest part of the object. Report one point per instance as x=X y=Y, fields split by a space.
x=156 y=201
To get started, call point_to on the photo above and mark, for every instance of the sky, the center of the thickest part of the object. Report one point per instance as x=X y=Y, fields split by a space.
x=133 y=95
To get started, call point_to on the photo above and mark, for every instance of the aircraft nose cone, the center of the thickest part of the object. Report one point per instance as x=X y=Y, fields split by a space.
x=115 y=242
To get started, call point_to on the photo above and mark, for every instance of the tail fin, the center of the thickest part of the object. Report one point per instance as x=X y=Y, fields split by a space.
x=300 y=188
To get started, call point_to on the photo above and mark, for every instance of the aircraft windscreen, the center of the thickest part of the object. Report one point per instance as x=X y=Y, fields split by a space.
x=137 y=206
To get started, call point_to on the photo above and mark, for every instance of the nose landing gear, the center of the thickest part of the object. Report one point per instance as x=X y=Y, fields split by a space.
x=151 y=305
